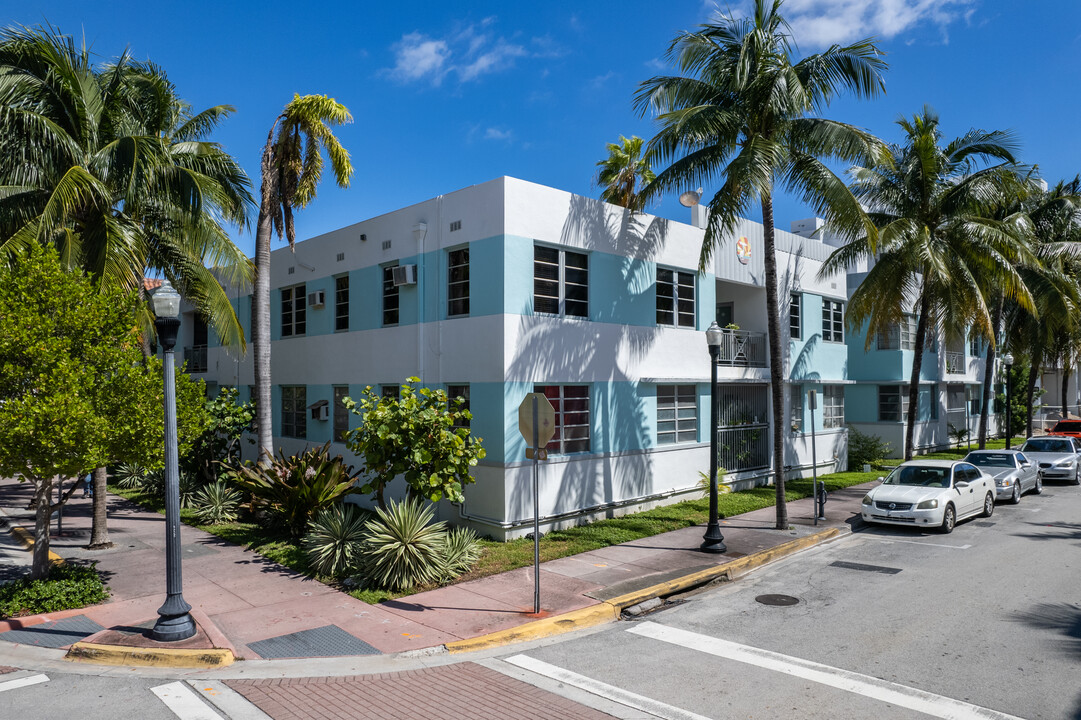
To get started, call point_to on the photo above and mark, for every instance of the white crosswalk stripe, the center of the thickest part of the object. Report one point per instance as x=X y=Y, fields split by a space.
x=23 y=682
x=184 y=703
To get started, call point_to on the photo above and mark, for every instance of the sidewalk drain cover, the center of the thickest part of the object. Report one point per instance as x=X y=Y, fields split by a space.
x=866 y=568
x=54 y=634
x=777 y=600
x=984 y=524
x=326 y=641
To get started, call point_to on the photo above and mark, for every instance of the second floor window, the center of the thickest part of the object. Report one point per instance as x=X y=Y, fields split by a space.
x=795 y=325
x=341 y=303
x=294 y=311
x=675 y=298
x=294 y=411
x=458 y=282
x=560 y=282
x=833 y=321
x=390 y=297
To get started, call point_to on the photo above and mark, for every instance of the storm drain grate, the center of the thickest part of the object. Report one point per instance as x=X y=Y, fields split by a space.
x=54 y=634
x=984 y=524
x=866 y=568
x=777 y=600
x=326 y=641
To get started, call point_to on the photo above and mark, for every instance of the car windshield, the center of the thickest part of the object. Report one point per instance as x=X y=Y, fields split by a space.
x=991 y=460
x=1067 y=426
x=919 y=475
x=1048 y=445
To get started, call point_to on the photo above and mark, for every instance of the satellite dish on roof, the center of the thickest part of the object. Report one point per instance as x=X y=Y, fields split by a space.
x=690 y=198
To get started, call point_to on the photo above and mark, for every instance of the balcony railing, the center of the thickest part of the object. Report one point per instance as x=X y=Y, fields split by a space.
x=196 y=357
x=955 y=362
x=743 y=349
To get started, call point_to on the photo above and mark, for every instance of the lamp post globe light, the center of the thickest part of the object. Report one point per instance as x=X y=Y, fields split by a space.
x=174 y=621
x=1007 y=360
x=713 y=541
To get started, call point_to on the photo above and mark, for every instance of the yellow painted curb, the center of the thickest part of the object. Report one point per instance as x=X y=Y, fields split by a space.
x=150 y=657
x=26 y=538
x=610 y=609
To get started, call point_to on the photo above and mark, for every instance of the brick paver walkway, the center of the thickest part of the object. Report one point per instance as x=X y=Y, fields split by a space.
x=466 y=691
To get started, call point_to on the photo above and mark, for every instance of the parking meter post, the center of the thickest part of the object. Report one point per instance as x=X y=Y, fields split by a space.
x=536 y=512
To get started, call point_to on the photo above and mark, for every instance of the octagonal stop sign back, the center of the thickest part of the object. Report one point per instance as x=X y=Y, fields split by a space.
x=546 y=419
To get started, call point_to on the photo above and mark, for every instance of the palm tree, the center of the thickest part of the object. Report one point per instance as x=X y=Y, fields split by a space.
x=111 y=167
x=624 y=173
x=741 y=115
x=290 y=170
x=938 y=244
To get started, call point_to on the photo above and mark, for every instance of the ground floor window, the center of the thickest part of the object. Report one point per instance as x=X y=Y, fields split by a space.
x=892 y=403
x=341 y=412
x=833 y=406
x=459 y=391
x=294 y=411
x=571 y=403
x=677 y=414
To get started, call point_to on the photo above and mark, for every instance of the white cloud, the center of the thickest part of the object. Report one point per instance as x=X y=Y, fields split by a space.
x=467 y=53
x=498 y=134
x=817 y=23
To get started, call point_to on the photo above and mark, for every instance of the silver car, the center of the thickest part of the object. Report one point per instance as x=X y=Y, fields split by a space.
x=1057 y=456
x=1014 y=473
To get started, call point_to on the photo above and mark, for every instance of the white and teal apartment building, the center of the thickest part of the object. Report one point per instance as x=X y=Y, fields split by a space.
x=509 y=287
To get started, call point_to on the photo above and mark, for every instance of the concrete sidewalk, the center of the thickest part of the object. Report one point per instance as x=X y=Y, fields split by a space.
x=258 y=609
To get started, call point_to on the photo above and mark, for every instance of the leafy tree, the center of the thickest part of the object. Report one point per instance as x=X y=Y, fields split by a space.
x=418 y=435
x=74 y=392
x=624 y=173
x=938 y=244
x=219 y=441
x=290 y=171
x=740 y=115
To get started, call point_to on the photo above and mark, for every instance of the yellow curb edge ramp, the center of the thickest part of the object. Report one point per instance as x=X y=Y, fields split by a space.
x=610 y=609
x=150 y=657
x=26 y=539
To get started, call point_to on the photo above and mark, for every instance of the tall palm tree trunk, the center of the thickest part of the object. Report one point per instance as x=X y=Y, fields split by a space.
x=1065 y=387
x=776 y=366
x=914 y=381
x=1030 y=390
x=261 y=306
x=99 y=532
x=989 y=371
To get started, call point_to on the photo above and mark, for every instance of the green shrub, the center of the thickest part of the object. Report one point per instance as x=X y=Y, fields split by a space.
x=294 y=489
x=334 y=540
x=865 y=449
x=67 y=587
x=129 y=477
x=403 y=547
x=217 y=503
x=461 y=550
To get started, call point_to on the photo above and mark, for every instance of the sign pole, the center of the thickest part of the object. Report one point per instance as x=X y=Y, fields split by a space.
x=814 y=459
x=536 y=512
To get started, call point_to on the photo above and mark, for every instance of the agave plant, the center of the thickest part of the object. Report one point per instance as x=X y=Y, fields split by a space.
x=334 y=540
x=294 y=489
x=130 y=477
x=461 y=550
x=403 y=547
x=189 y=487
x=216 y=503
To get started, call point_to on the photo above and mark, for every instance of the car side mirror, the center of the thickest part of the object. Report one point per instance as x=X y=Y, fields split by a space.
x=880 y=478
x=961 y=484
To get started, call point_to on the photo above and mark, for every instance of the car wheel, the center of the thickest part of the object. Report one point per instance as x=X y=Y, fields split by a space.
x=1016 y=493
x=988 y=506
x=949 y=518
x=1039 y=485
x=1077 y=476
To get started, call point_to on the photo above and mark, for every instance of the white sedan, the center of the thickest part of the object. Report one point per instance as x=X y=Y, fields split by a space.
x=930 y=493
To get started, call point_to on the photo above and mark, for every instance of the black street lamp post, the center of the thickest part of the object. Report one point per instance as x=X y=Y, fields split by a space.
x=174 y=621
x=713 y=541
x=1007 y=360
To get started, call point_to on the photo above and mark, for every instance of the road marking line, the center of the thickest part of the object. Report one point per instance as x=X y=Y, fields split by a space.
x=23 y=682
x=184 y=703
x=229 y=701
x=604 y=690
x=921 y=542
x=928 y=703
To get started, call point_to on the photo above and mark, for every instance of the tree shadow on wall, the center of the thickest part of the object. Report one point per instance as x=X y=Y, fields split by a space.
x=554 y=350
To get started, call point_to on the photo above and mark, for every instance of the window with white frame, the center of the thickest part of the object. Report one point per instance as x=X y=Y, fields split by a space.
x=795 y=410
x=341 y=303
x=675 y=298
x=833 y=320
x=833 y=406
x=908 y=332
x=458 y=282
x=390 y=296
x=341 y=412
x=294 y=310
x=462 y=392
x=975 y=344
x=677 y=414
x=294 y=411
x=795 y=326
x=560 y=282
x=571 y=404
x=892 y=403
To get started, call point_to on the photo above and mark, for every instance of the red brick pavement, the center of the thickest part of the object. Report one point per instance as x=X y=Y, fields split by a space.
x=4 y=669
x=465 y=691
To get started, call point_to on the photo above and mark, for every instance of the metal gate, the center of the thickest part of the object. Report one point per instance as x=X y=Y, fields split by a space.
x=743 y=427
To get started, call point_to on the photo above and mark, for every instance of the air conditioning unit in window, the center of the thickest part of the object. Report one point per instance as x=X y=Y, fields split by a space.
x=404 y=275
x=321 y=411
x=317 y=299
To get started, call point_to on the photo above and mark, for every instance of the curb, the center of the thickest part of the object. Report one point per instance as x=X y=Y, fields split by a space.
x=611 y=609
x=147 y=657
x=26 y=539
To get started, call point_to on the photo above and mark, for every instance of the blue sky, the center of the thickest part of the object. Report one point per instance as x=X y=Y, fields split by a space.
x=447 y=95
